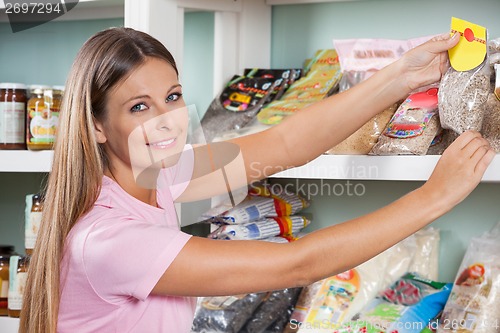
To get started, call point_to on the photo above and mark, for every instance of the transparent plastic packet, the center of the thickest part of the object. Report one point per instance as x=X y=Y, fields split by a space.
x=362 y=141
x=412 y=128
x=494 y=52
x=270 y=310
x=225 y=314
x=474 y=303
x=491 y=124
x=464 y=88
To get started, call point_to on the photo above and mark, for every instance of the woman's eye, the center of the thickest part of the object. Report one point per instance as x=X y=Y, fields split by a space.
x=138 y=107
x=174 y=97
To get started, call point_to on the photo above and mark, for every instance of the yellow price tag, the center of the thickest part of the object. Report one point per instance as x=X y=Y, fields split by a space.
x=470 y=51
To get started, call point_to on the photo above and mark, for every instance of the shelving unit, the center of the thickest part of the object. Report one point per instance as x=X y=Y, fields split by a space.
x=347 y=167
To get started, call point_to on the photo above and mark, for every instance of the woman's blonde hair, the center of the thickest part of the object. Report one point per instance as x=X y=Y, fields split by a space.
x=77 y=170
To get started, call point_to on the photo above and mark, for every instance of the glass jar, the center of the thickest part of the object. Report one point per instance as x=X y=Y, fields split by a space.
x=36 y=125
x=17 y=277
x=33 y=221
x=5 y=252
x=12 y=116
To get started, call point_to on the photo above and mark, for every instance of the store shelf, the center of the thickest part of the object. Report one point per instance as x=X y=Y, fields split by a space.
x=355 y=167
x=25 y=160
x=363 y=167
x=8 y=324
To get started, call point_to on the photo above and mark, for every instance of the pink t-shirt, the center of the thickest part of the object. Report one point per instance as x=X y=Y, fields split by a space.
x=116 y=254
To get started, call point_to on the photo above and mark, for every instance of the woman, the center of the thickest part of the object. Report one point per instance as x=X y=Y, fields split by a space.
x=110 y=256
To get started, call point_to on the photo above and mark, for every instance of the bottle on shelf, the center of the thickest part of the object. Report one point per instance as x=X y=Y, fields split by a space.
x=12 y=115
x=34 y=208
x=6 y=251
x=18 y=274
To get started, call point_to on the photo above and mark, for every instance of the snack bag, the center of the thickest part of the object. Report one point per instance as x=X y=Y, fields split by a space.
x=474 y=304
x=242 y=98
x=285 y=226
x=321 y=80
x=412 y=128
x=405 y=307
x=465 y=86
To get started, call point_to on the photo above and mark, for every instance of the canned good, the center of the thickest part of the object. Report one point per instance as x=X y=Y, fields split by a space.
x=12 y=116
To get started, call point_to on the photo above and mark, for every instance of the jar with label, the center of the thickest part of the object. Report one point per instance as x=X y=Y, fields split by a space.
x=34 y=207
x=5 y=252
x=12 y=115
x=17 y=278
x=35 y=110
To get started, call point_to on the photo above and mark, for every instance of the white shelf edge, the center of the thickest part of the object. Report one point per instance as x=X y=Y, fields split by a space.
x=340 y=167
x=9 y=324
x=25 y=160
x=364 y=167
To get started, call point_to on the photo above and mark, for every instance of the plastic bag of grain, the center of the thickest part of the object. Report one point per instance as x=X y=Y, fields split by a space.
x=491 y=123
x=465 y=86
x=412 y=128
x=474 y=304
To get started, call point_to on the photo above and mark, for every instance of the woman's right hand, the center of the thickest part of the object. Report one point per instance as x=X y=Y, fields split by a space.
x=460 y=169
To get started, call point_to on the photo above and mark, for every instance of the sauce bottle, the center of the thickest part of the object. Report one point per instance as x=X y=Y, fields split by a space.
x=33 y=219
x=17 y=285
x=12 y=116
x=36 y=123
x=5 y=252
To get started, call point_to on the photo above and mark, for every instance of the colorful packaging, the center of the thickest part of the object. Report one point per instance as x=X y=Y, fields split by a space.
x=285 y=226
x=412 y=128
x=322 y=78
x=474 y=304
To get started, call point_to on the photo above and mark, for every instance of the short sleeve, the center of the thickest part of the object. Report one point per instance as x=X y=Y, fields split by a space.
x=128 y=257
x=176 y=178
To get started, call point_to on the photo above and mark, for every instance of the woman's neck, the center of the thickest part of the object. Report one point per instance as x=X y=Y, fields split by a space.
x=142 y=188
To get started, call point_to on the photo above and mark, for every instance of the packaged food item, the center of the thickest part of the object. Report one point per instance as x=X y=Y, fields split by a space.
x=405 y=307
x=497 y=81
x=412 y=128
x=242 y=98
x=465 y=87
x=17 y=283
x=335 y=300
x=225 y=314
x=474 y=303
x=494 y=52
x=321 y=79
x=268 y=227
x=270 y=310
x=443 y=140
x=6 y=251
x=13 y=97
x=42 y=116
x=258 y=204
x=361 y=58
x=362 y=141
x=491 y=123
x=33 y=218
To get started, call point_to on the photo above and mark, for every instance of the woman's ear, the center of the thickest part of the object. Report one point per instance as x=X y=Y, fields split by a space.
x=99 y=132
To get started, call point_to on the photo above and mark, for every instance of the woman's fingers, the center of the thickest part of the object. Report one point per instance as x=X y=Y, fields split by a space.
x=482 y=159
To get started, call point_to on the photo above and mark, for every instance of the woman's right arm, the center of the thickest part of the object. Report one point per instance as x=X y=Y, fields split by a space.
x=212 y=267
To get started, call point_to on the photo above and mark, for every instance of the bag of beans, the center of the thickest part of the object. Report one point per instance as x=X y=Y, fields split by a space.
x=465 y=86
x=412 y=128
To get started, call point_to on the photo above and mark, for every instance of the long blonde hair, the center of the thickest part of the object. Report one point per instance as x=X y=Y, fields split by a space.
x=77 y=170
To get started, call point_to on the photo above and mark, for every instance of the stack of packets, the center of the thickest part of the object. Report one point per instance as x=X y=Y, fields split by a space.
x=378 y=294
x=264 y=214
x=321 y=80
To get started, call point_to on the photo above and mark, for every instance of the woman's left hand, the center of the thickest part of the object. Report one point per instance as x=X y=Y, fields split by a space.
x=426 y=63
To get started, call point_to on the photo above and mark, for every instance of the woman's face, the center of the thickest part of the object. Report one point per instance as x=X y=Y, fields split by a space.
x=146 y=119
